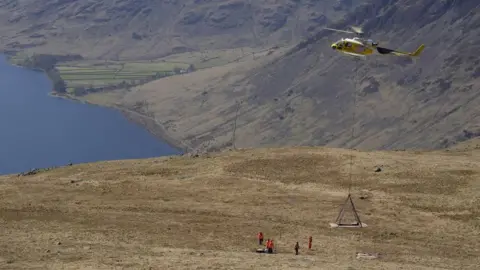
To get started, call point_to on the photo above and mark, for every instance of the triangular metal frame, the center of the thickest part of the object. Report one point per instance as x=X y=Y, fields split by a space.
x=338 y=220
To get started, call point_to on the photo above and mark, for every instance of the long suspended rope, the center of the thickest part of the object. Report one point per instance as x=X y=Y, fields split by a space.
x=353 y=122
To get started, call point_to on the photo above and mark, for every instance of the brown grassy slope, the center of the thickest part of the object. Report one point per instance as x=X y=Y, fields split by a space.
x=146 y=28
x=203 y=213
x=185 y=109
x=307 y=96
x=196 y=108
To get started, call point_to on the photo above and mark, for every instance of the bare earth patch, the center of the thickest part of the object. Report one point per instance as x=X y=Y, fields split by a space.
x=204 y=213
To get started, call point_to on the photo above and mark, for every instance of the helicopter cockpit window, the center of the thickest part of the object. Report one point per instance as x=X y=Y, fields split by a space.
x=339 y=44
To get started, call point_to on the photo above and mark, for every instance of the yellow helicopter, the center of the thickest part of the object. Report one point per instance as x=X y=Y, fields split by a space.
x=358 y=46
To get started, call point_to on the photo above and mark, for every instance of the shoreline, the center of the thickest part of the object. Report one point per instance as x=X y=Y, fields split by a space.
x=151 y=125
x=145 y=122
x=148 y=123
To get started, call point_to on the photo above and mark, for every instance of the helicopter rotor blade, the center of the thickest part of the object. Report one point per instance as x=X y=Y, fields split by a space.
x=357 y=29
x=337 y=30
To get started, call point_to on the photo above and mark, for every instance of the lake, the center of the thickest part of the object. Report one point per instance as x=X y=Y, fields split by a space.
x=38 y=131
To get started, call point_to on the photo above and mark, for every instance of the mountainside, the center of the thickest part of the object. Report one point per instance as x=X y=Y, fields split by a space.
x=306 y=96
x=147 y=28
x=429 y=102
x=204 y=212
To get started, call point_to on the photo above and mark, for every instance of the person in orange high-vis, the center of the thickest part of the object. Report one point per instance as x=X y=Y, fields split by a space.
x=260 y=238
x=270 y=246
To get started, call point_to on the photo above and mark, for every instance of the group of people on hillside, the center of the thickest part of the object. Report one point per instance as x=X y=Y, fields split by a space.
x=270 y=246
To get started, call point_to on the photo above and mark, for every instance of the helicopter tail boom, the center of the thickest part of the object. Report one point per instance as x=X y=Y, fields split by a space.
x=417 y=52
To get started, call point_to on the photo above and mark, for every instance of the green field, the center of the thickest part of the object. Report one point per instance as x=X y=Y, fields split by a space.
x=97 y=75
x=87 y=74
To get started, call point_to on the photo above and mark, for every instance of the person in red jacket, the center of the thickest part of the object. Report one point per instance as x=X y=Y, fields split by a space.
x=270 y=246
x=260 y=238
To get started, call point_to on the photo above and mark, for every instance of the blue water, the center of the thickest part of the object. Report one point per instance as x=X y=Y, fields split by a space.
x=38 y=131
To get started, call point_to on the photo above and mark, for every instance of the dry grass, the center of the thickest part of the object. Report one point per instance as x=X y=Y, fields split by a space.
x=204 y=213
